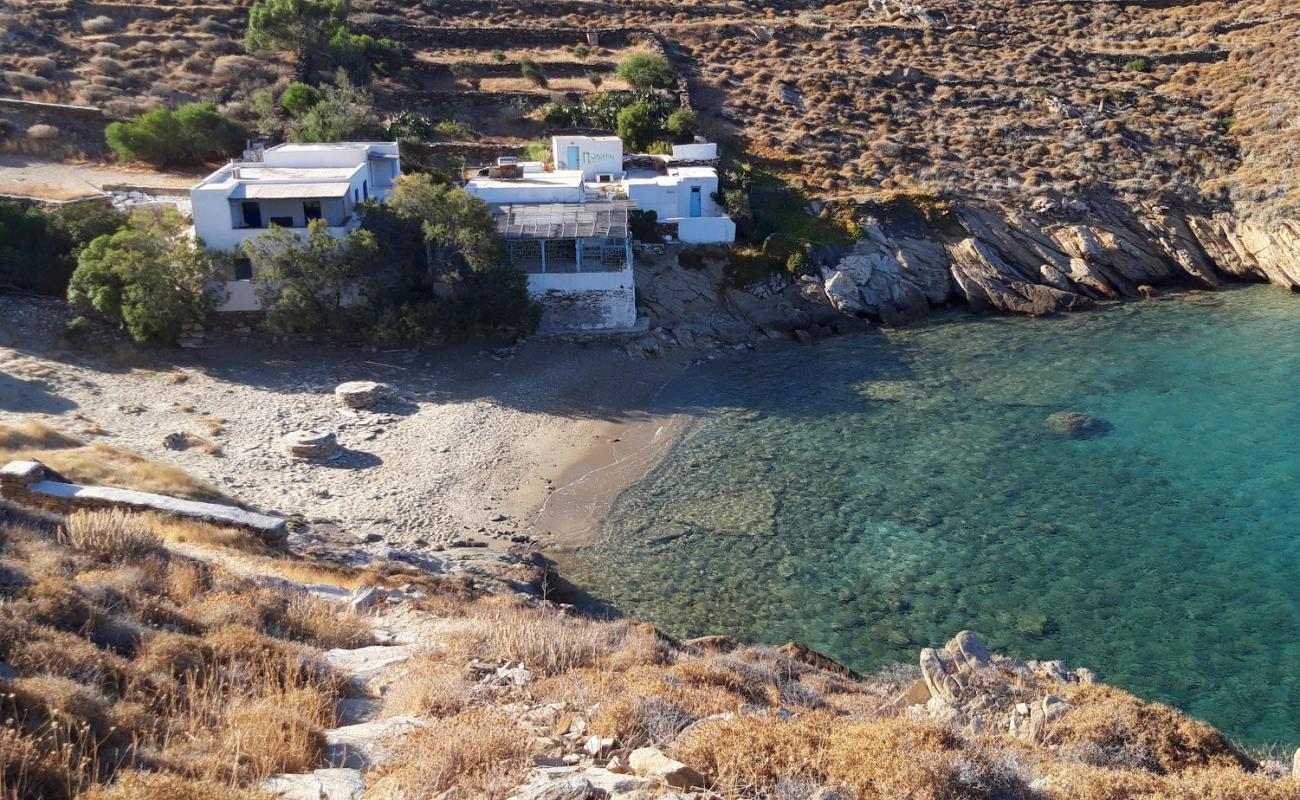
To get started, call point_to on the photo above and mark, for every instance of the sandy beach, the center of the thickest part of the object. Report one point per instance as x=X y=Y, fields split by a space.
x=479 y=445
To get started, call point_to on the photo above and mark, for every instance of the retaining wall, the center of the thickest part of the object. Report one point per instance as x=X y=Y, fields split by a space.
x=28 y=483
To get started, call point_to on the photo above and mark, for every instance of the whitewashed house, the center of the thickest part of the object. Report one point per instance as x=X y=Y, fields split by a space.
x=566 y=226
x=291 y=185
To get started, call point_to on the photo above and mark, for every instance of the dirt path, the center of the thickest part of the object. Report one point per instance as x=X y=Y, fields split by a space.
x=27 y=176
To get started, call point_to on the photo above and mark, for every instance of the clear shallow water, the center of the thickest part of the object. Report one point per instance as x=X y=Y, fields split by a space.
x=875 y=494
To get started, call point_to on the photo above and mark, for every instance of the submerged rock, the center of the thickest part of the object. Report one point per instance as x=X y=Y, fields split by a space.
x=1077 y=425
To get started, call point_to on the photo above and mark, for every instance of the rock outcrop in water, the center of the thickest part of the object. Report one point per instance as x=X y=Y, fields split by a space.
x=1051 y=257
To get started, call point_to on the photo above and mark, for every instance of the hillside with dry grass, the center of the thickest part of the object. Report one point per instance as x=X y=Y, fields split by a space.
x=143 y=658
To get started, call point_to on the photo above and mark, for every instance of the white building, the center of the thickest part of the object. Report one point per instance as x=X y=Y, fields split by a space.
x=567 y=227
x=578 y=258
x=290 y=186
x=594 y=156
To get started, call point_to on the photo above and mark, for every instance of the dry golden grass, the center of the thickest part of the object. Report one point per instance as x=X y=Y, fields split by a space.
x=99 y=464
x=1076 y=782
x=483 y=753
x=102 y=690
x=888 y=759
x=429 y=687
x=545 y=641
x=110 y=533
x=1111 y=723
x=153 y=786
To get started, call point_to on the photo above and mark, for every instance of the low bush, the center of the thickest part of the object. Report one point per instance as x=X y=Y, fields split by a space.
x=532 y=72
x=100 y=24
x=193 y=133
x=110 y=533
x=646 y=71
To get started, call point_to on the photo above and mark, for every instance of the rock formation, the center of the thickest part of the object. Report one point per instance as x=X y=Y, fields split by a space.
x=1054 y=257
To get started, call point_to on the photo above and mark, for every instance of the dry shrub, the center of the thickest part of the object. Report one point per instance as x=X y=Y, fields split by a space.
x=1075 y=782
x=155 y=786
x=100 y=24
x=1119 y=730
x=172 y=654
x=110 y=534
x=428 y=687
x=321 y=624
x=278 y=731
x=42 y=650
x=887 y=759
x=202 y=534
x=482 y=752
x=545 y=641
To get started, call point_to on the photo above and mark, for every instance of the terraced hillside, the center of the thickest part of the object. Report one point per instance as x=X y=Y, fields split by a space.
x=985 y=99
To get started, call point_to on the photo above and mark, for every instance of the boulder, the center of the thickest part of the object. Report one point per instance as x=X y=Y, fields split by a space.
x=1077 y=425
x=322 y=784
x=311 y=444
x=1295 y=765
x=649 y=762
x=360 y=394
x=575 y=788
x=364 y=598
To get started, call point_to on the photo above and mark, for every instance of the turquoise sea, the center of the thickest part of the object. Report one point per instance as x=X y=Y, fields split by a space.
x=874 y=494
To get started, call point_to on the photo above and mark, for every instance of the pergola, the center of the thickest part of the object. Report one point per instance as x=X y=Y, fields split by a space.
x=567 y=237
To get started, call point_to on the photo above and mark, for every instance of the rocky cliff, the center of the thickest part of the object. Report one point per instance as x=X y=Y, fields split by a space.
x=1054 y=256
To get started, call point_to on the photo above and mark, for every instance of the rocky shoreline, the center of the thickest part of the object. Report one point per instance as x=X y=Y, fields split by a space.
x=918 y=253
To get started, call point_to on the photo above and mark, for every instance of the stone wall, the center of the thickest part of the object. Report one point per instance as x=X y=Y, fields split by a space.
x=29 y=483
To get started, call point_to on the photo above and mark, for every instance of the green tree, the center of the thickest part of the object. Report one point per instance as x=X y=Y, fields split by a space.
x=317 y=32
x=149 y=277
x=682 y=123
x=441 y=267
x=193 y=133
x=299 y=98
x=458 y=228
x=38 y=248
x=33 y=252
x=304 y=282
x=646 y=71
x=636 y=126
x=306 y=27
x=345 y=112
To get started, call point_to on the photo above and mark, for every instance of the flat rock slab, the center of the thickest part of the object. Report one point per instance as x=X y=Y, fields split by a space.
x=91 y=496
x=355 y=710
x=323 y=784
x=365 y=665
x=366 y=745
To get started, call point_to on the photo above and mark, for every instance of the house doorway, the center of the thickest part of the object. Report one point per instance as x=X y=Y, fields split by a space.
x=252 y=215
x=696 y=200
x=571 y=161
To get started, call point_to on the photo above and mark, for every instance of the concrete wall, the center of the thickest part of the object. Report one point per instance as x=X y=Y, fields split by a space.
x=524 y=192
x=695 y=152
x=585 y=301
x=706 y=230
x=595 y=154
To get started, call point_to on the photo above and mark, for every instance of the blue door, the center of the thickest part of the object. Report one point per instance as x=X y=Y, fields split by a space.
x=695 y=201
x=571 y=161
